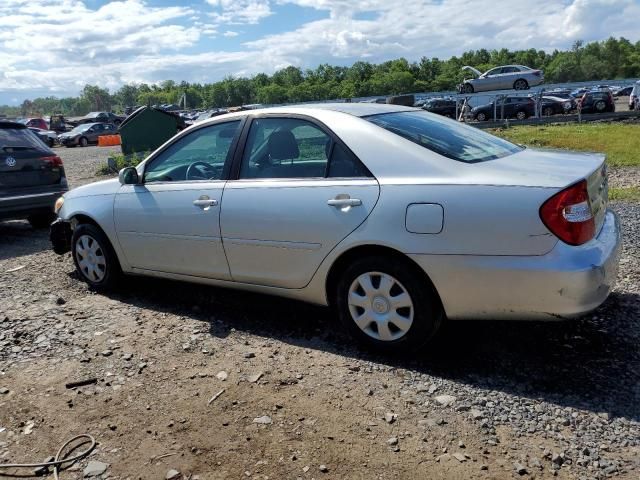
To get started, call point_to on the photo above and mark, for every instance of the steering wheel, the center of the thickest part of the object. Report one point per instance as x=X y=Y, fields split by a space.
x=193 y=173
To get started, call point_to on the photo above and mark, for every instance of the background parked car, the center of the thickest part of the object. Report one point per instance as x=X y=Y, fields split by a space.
x=36 y=122
x=441 y=106
x=623 y=91
x=597 y=101
x=634 y=95
x=85 y=134
x=94 y=117
x=518 y=77
x=514 y=107
x=31 y=176
x=49 y=137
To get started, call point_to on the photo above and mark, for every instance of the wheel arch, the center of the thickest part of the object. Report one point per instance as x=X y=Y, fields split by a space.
x=521 y=79
x=371 y=250
x=82 y=218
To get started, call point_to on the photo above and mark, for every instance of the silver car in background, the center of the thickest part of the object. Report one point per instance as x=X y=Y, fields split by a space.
x=396 y=217
x=506 y=77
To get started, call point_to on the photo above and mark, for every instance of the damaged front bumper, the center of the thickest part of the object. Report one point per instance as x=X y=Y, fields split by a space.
x=60 y=235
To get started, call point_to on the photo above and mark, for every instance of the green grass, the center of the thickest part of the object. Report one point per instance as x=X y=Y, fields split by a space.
x=625 y=194
x=621 y=142
x=120 y=161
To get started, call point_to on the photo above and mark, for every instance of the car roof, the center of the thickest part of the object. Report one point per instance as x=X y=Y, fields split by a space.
x=355 y=109
x=9 y=124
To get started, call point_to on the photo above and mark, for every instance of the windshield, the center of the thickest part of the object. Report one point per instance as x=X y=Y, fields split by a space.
x=445 y=137
x=82 y=128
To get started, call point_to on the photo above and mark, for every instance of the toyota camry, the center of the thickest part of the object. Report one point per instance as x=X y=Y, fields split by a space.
x=397 y=218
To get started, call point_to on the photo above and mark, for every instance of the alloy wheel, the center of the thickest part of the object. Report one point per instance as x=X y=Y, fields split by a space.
x=380 y=306
x=91 y=259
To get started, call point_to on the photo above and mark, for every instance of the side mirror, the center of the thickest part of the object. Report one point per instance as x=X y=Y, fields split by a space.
x=128 y=176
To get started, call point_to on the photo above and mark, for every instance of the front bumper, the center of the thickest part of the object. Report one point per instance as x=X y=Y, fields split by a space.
x=565 y=283
x=68 y=141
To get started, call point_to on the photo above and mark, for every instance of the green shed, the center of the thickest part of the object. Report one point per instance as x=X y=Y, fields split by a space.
x=147 y=128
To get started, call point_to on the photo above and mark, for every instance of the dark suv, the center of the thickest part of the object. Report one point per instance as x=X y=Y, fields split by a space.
x=441 y=106
x=514 y=107
x=598 y=101
x=31 y=176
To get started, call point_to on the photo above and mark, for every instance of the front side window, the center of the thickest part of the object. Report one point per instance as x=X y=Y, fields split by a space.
x=200 y=155
x=295 y=148
x=444 y=137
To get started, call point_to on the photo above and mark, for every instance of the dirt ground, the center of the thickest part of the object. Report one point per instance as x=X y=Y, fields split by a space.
x=293 y=397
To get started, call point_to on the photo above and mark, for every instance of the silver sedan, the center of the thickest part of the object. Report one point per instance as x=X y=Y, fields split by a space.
x=396 y=217
x=506 y=77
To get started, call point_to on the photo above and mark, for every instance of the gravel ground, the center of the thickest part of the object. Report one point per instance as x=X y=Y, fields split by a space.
x=624 y=177
x=81 y=164
x=487 y=400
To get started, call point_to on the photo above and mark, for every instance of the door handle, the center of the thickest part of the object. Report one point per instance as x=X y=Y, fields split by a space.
x=205 y=202
x=344 y=202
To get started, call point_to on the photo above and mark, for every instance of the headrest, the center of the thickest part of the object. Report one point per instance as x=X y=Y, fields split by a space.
x=283 y=146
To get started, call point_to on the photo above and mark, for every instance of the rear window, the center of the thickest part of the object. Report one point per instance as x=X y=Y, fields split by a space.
x=445 y=137
x=12 y=139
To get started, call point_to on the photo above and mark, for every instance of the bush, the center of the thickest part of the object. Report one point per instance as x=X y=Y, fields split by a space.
x=118 y=162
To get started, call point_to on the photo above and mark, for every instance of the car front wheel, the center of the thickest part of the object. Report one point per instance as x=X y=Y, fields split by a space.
x=95 y=260
x=83 y=142
x=521 y=115
x=467 y=88
x=520 y=84
x=387 y=305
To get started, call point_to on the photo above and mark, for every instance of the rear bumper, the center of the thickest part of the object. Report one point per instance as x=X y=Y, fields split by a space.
x=565 y=283
x=19 y=206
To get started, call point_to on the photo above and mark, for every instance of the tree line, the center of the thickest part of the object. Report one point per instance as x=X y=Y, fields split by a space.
x=609 y=59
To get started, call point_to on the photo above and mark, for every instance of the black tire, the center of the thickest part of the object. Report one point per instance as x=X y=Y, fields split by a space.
x=521 y=84
x=51 y=142
x=600 y=106
x=521 y=115
x=83 y=142
x=481 y=117
x=467 y=88
x=427 y=310
x=111 y=271
x=41 y=220
x=547 y=111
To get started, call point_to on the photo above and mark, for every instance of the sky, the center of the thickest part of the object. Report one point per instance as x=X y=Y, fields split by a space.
x=55 y=47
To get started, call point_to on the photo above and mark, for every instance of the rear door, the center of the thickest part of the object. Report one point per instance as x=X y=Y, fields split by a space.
x=26 y=164
x=296 y=193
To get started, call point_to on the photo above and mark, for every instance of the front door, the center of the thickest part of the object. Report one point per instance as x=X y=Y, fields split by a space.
x=298 y=193
x=170 y=222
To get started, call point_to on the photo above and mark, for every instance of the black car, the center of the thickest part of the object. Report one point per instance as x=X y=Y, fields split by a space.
x=597 y=101
x=623 y=92
x=514 y=107
x=441 y=106
x=31 y=176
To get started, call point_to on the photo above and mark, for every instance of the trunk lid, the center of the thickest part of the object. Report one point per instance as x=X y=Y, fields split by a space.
x=25 y=161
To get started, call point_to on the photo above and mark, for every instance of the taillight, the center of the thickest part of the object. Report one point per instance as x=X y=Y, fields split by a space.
x=54 y=160
x=569 y=216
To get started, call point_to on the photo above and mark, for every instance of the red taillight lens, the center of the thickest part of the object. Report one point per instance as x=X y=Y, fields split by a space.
x=54 y=160
x=569 y=216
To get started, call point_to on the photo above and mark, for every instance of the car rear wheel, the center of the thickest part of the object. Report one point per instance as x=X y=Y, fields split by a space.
x=466 y=88
x=600 y=106
x=547 y=111
x=481 y=117
x=388 y=306
x=41 y=220
x=521 y=115
x=83 y=142
x=520 y=84
x=95 y=260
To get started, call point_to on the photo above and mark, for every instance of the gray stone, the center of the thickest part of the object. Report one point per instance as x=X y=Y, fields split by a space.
x=172 y=475
x=390 y=417
x=445 y=400
x=392 y=441
x=324 y=469
x=106 y=353
x=460 y=457
x=95 y=468
x=476 y=414
x=4 y=390
x=519 y=468
x=263 y=420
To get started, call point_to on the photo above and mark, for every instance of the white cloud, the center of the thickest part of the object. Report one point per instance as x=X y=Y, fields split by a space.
x=238 y=12
x=57 y=47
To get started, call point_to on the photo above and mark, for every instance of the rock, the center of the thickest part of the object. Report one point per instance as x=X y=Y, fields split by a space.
x=305 y=469
x=127 y=356
x=461 y=444
x=519 y=468
x=443 y=457
x=60 y=301
x=445 y=400
x=254 y=378
x=263 y=420
x=95 y=468
x=106 y=353
x=392 y=441
x=323 y=468
x=172 y=475
x=484 y=467
x=557 y=459
x=4 y=390
x=44 y=470
x=476 y=414
x=460 y=457
x=222 y=375
x=390 y=417
x=249 y=355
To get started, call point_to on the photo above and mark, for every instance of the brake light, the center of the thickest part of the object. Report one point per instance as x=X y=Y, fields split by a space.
x=54 y=160
x=569 y=216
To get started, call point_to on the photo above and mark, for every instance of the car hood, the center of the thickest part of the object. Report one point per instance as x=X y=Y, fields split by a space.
x=471 y=69
x=540 y=168
x=105 y=187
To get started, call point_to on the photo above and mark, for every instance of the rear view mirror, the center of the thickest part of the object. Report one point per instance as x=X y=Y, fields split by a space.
x=128 y=176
